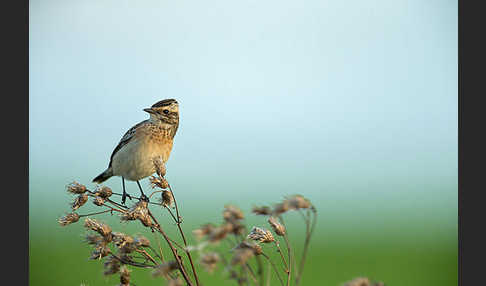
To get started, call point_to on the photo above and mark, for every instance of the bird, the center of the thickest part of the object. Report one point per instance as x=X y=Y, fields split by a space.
x=148 y=141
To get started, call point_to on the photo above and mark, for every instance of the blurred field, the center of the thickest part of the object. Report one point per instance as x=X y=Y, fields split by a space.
x=402 y=254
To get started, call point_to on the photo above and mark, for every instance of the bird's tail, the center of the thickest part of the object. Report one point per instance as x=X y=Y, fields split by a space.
x=103 y=176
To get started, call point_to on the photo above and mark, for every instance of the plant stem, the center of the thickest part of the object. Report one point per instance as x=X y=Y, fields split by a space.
x=268 y=274
x=131 y=262
x=178 y=222
x=260 y=268
x=252 y=274
x=174 y=251
x=306 y=243
x=274 y=268
x=281 y=255
x=287 y=243
x=102 y=212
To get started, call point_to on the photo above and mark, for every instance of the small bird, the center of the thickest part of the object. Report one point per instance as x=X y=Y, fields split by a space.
x=150 y=140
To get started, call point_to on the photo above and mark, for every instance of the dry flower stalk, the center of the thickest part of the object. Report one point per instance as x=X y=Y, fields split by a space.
x=209 y=261
x=175 y=282
x=68 y=219
x=103 y=192
x=76 y=188
x=138 y=211
x=124 y=276
x=362 y=281
x=246 y=250
x=261 y=235
x=263 y=210
x=79 y=201
x=103 y=229
x=136 y=251
x=277 y=227
x=164 y=269
x=167 y=199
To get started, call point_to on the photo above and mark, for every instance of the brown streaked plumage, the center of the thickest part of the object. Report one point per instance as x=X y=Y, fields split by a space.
x=149 y=140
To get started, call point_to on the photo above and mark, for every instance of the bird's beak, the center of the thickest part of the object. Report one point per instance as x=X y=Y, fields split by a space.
x=149 y=110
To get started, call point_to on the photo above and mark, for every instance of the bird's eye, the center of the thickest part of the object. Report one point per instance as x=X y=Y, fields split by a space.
x=166 y=111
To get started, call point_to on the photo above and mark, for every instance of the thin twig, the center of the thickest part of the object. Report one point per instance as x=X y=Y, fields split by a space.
x=131 y=262
x=306 y=244
x=252 y=274
x=287 y=243
x=274 y=268
x=160 y=248
x=281 y=255
x=102 y=212
x=146 y=255
x=260 y=268
x=178 y=221
x=155 y=252
x=174 y=251
x=268 y=273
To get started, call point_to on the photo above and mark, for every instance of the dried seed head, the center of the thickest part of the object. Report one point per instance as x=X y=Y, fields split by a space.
x=167 y=198
x=79 y=201
x=126 y=258
x=175 y=282
x=261 y=235
x=68 y=219
x=257 y=249
x=93 y=239
x=124 y=276
x=138 y=211
x=159 y=182
x=232 y=213
x=234 y=227
x=362 y=281
x=101 y=228
x=142 y=241
x=165 y=268
x=217 y=234
x=101 y=250
x=76 y=188
x=241 y=256
x=99 y=201
x=263 y=210
x=103 y=192
x=159 y=166
x=299 y=202
x=112 y=266
x=124 y=242
x=209 y=261
x=281 y=208
x=277 y=227
x=203 y=230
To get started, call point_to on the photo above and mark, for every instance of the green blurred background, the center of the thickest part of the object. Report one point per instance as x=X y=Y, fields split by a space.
x=352 y=104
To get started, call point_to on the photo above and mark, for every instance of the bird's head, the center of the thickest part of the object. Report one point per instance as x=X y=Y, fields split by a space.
x=164 y=112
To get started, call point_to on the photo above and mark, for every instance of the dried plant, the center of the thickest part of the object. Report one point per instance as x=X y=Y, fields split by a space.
x=363 y=281
x=120 y=250
x=247 y=248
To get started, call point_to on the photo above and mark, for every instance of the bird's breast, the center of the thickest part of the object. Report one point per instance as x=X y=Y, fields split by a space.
x=136 y=159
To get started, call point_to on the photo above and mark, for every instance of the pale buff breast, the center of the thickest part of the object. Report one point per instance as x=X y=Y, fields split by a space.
x=134 y=161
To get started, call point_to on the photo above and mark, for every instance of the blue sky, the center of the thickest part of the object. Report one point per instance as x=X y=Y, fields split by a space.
x=351 y=103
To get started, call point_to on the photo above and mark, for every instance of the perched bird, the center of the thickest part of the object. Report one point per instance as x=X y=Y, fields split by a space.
x=150 y=140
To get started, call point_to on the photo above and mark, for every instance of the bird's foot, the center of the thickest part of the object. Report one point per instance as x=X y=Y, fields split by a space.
x=144 y=198
x=124 y=197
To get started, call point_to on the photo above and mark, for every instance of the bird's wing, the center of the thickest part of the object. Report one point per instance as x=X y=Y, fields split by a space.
x=125 y=139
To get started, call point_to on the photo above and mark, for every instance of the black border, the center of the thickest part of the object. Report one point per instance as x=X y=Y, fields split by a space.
x=15 y=117
x=15 y=155
x=471 y=142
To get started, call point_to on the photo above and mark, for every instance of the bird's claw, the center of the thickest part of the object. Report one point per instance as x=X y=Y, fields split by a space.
x=144 y=198
x=124 y=197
